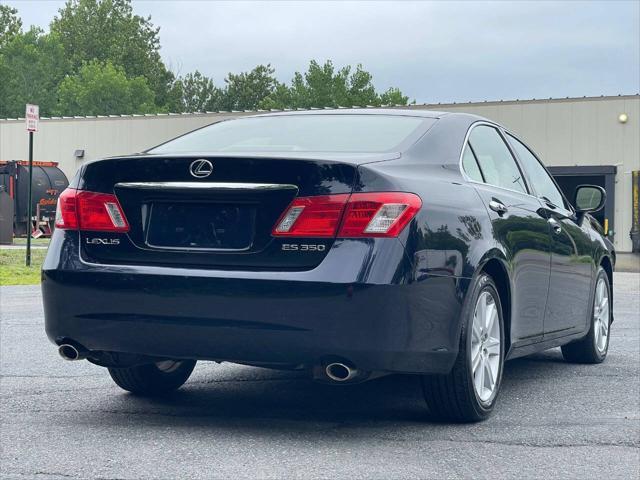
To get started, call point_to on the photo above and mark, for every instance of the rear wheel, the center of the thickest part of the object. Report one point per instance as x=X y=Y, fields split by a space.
x=469 y=392
x=594 y=346
x=153 y=378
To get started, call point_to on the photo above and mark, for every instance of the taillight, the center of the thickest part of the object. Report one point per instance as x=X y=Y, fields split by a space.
x=67 y=210
x=381 y=214
x=312 y=217
x=82 y=210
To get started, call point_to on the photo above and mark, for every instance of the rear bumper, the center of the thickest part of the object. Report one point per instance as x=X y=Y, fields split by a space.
x=360 y=304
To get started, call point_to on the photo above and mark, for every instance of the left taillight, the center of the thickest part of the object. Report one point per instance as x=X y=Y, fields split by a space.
x=82 y=210
x=67 y=210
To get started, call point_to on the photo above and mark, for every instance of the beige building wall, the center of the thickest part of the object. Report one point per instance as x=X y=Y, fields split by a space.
x=564 y=132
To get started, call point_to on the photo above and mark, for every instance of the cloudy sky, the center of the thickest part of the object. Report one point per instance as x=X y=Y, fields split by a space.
x=434 y=51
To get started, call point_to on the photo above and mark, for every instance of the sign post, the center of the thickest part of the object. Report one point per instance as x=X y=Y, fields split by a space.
x=32 y=116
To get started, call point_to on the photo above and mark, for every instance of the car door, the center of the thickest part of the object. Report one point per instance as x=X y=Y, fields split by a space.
x=568 y=304
x=517 y=224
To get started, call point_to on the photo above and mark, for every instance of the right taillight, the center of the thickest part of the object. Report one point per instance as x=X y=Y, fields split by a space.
x=82 y=210
x=381 y=214
x=378 y=214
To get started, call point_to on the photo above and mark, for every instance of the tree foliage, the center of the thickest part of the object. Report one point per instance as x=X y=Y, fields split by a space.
x=196 y=93
x=32 y=65
x=101 y=58
x=245 y=91
x=10 y=24
x=393 y=96
x=104 y=89
x=325 y=86
x=108 y=31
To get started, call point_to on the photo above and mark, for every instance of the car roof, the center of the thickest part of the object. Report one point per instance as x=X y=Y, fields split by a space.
x=395 y=112
x=392 y=112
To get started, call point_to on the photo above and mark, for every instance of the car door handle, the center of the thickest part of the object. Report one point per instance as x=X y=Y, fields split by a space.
x=498 y=207
x=555 y=225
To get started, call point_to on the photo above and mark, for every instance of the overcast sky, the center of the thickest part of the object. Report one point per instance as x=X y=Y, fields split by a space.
x=433 y=51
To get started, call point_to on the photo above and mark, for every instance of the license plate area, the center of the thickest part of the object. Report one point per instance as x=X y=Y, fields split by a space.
x=201 y=226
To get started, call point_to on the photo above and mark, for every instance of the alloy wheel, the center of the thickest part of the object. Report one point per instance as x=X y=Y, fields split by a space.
x=601 y=316
x=485 y=347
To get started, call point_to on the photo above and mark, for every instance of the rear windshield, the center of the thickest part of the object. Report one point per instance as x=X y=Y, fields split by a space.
x=300 y=133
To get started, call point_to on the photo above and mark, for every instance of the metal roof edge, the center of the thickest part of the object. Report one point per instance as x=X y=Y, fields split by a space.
x=528 y=101
x=420 y=106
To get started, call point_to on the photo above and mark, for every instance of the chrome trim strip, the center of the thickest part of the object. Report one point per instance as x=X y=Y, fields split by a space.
x=205 y=186
x=199 y=249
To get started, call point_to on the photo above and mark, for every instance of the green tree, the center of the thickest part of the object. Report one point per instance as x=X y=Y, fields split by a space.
x=197 y=93
x=100 y=58
x=393 y=96
x=280 y=98
x=360 y=89
x=245 y=91
x=104 y=89
x=323 y=85
x=31 y=66
x=320 y=86
x=10 y=24
x=108 y=31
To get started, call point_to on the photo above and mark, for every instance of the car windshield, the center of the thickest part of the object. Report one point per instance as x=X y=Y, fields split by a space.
x=299 y=133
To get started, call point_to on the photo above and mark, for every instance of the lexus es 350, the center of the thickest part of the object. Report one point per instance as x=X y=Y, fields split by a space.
x=349 y=244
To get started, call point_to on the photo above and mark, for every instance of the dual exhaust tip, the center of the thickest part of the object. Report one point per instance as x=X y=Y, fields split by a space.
x=70 y=352
x=336 y=371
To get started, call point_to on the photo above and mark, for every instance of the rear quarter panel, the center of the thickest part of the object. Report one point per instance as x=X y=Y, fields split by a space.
x=445 y=243
x=452 y=232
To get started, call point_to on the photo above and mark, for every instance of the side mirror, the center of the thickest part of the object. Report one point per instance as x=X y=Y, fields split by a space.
x=589 y=198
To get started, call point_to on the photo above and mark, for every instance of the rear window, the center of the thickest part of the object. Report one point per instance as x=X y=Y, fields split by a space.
x=300 y=133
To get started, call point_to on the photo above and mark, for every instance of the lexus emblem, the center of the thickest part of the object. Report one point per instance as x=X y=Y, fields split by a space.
x=201 y=168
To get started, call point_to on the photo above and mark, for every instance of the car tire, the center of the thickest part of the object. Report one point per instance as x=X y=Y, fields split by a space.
x=153 y=378
x=463 y=395
x=593 y=347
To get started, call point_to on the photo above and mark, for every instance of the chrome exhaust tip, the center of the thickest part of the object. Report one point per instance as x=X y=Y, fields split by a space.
x=339 y=372
x=69 y=352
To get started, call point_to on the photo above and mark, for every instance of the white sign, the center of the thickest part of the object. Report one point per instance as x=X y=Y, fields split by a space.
x=32 y=116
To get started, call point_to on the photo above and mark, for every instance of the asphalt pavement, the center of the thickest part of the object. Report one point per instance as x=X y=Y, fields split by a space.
x=554 y=420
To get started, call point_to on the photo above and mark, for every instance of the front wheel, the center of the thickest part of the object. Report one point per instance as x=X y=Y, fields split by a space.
x=153 y=378
x=469 y=392
x=594 y=346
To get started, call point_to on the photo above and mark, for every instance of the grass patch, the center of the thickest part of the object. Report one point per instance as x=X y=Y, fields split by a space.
x=13 y=270
x=40 y=242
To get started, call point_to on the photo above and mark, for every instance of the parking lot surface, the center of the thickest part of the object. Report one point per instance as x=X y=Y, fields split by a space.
x=555 y=420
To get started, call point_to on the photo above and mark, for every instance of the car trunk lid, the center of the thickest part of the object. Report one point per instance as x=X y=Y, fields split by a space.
x=222 y=220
